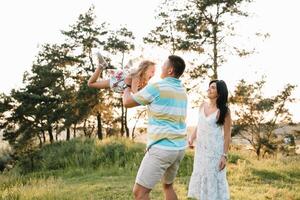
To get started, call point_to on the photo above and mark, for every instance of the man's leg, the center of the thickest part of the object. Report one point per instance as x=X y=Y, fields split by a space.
x=154 y=165
x=169 y=192
x=170 y=175
x=140 y=192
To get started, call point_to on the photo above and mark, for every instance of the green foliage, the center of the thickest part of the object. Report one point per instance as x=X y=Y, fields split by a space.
x=200 y=27
x=55 y=95
x=83 y=154
x=85 y=33
x=120 y=41
x=234 y=158
x=259 y=116
x=248 y=177
x=5 y=158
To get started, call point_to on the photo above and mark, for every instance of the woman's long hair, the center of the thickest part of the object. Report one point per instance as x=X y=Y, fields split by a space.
x=222 y=100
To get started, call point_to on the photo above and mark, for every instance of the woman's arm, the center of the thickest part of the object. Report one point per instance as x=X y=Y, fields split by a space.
x=227 y=137
x=227 y=132
x=192 y=137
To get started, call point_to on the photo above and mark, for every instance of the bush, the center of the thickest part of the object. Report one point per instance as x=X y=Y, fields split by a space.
x=110 y=154
x=233 y=158
x=5 y=158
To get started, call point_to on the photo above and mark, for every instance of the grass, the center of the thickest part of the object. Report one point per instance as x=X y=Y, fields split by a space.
x=89 y=186
x=91 y=177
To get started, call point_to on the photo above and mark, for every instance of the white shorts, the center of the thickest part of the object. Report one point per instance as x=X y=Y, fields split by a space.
x=159 y=164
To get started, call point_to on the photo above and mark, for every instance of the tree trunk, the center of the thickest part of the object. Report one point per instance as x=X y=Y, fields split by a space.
x=126 y=125
x=50 y=134
x=74 y=131
x=31 y=161
x=68 y=134
x=91 y=61
x=215 y=52
x=99 y=126
x=44 y=136
x=122 y=107
x=56 y=132
x=40 y=140
x=84 y=128
x=258 y=152
x=122 y=119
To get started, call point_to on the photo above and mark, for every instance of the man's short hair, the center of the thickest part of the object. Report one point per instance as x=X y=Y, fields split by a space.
x=178 y=64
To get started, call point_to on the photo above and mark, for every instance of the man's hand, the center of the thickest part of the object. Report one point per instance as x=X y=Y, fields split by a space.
x=128 y=101
x=191 y=143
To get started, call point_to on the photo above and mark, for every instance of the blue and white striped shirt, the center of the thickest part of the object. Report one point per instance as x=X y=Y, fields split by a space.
x=167 y=107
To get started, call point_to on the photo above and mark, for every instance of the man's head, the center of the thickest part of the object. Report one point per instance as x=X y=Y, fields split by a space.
x=173 y=67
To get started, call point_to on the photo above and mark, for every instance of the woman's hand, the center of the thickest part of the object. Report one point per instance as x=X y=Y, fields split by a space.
x=192 y=138
x=191 y=143
x=222 y=163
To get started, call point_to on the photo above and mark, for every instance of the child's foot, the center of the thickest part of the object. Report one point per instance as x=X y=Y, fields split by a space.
x=101 y=62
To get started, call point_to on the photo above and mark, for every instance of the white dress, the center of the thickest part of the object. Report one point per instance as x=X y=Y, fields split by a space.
x=207 y=182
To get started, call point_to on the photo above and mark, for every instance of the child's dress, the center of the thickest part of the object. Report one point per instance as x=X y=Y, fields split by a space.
x=117 y=79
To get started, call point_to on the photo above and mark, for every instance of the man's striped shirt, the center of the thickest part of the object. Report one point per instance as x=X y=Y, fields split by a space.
x=167 y=108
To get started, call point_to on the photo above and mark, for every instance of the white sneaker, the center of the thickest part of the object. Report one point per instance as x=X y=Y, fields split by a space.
x=101 y=62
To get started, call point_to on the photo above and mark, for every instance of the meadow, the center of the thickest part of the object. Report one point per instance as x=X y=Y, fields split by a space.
x=93 y=169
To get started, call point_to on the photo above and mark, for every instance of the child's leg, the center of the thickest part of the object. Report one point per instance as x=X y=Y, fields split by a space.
x=102 y=84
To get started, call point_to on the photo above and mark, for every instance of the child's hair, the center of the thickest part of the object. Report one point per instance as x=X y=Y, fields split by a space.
x=141 y=70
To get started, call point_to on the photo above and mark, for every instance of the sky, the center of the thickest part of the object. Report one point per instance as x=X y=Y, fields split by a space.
x=25 y=25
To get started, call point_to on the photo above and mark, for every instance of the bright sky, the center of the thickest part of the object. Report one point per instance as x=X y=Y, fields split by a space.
x=26 y=24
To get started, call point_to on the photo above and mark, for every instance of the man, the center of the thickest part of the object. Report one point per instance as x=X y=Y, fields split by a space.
x=167 y=106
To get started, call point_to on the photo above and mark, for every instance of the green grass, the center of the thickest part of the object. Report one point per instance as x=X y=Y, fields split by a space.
x=89 y=169
x=88 y=186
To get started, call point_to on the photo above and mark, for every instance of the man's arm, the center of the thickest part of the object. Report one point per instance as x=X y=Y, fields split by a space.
x=128 y=100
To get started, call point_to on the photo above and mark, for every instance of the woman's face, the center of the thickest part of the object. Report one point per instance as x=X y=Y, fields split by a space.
x=212 y=91
x=150 y=72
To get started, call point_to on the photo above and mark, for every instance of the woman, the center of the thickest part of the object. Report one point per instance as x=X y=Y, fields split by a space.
x=212 y=135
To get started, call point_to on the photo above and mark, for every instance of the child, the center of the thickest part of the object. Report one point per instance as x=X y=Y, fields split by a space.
x=138 y=77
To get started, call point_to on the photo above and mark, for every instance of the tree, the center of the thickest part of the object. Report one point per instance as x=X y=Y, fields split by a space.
x=86 y=36
x=258 y=116
x=40 y=105
x=121 y=42
x=60 y=58
x=6 y=105
x=201 y=28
